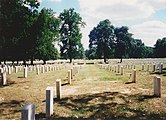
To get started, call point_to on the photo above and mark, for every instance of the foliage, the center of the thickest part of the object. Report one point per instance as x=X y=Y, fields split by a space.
x=102 y=40
x=70 y=33
x=123 y=42
x=26 y=34
x=160 y=47
x=47 y=31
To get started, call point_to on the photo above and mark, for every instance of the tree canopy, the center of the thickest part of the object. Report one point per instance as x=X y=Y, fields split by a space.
x=160 y=47
x=70 y=36
x=26 y=33
x=101 y=39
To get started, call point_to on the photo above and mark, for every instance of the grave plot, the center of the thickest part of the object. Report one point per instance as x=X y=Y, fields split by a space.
x=93 y=93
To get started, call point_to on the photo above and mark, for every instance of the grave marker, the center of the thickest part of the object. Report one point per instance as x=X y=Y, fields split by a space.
x=58 y=89
x=28 y=112
x=157 y=86
x=49 y=100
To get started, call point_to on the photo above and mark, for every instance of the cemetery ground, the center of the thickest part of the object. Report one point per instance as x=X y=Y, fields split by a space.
x=95 y=93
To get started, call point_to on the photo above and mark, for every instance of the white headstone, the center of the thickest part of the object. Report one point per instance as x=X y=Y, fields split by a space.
x=58 y=89
x=28 y=112
x=157 y=86
x=49 y=100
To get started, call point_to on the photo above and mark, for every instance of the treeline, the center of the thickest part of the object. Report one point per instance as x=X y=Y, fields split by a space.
x=107 y=41
x=28 y=34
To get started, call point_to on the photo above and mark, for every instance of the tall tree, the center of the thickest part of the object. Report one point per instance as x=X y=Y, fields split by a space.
x=123 y=42
x=160 y=47
x=71 y=22
x=46 y=33
x=15 y=20
x=102 y=40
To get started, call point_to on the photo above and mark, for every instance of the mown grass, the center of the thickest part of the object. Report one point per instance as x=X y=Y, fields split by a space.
x=95 y=93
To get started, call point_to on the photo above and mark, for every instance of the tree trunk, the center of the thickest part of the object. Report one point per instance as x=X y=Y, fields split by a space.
x=105 y=60
x=32 y=61
x=24 y=62
x=12 y=62
x=70 y=60
x=44 y=62
x=121 y=60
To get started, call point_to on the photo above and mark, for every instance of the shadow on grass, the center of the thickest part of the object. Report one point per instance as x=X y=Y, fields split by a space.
x=130 y=82
x=20 y=77
x=11 y=107
x=40 y=116
x=107 y=105
x=9 y=83
x=157 y=72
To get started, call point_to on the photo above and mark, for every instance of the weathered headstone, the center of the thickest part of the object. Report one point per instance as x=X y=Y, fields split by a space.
x=9 y=70
x=38 y=70
x=43 y=70
x=121 y=70
x=157 y=86
x=147 y=67
x=71 y=73
x=142 y=66
x=49 y=100
x=134 y=76
x=4 y=79
x=28 y=112
x=153 y=67
x=160 y=67
x=16 y=69
x=118 y=69
x=69 y=76
x=25 y=72
x=58 y=89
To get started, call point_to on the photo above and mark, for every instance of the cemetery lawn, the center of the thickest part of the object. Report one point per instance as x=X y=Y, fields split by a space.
x=95 y=93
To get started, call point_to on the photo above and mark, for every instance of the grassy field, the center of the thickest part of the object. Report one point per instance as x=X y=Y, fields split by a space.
x=95 y=93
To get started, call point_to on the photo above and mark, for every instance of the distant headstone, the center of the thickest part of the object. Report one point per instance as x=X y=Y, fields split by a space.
x=4 y=79
x=118 y=69
x=160 y=67
x=25 y=72
x=71 y=73
x=121 y=70
x=153 y=67
x=142 y=66
x=69 y=76
x=134 y=76
x=58 y=89
x=147 y=67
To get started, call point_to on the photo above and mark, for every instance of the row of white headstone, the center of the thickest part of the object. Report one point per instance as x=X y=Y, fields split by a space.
x=157 y=80
x=38 y=68
x=28 y=111
x=116 y=68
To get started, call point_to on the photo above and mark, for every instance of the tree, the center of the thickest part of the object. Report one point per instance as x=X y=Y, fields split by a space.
x=123 y=42
x=46 y=33
x=15 y=20
x=102 y=40
x=160 y=47
x=70 y=33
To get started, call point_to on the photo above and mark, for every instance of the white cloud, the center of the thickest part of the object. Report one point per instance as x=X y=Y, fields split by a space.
x=149 y=31
x=120 y=9
x=125 y=12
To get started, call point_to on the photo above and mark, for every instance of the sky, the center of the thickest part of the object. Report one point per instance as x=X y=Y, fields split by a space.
x=146 y=19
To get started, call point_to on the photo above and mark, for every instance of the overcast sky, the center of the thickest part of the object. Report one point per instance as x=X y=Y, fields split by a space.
x=146 y=19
